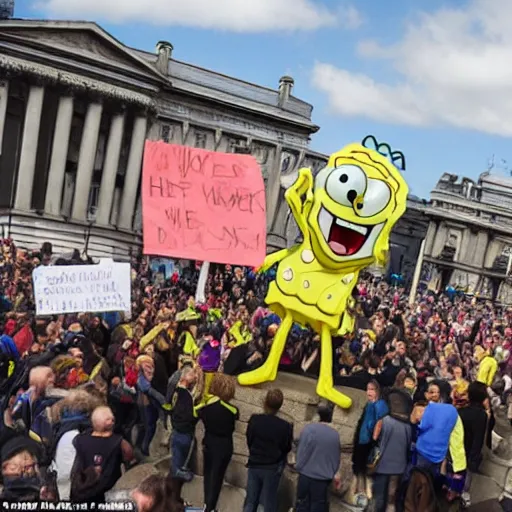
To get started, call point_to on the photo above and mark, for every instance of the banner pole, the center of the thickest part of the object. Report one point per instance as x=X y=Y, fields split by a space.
x=201 y=283
x=417 y=274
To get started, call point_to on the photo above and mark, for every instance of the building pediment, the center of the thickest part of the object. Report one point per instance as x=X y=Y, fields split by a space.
x=78 y=47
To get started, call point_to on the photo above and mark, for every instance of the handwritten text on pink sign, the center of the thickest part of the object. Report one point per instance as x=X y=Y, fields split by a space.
x=203 y=205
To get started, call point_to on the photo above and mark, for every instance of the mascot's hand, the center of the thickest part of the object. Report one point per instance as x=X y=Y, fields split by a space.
x=263 y=268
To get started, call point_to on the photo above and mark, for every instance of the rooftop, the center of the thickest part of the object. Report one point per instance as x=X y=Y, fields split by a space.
x=193 y=79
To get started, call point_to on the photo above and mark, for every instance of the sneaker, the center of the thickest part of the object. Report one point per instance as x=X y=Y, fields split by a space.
x=186 y=476
x=361 y=501
x=466 y=499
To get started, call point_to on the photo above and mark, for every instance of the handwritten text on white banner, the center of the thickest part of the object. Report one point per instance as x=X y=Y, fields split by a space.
x=82 y=288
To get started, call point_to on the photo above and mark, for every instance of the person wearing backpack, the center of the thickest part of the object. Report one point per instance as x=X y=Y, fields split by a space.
x=99 y=456
x=69 y=418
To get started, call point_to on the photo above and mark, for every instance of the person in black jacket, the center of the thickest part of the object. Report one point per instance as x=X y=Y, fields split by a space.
x=183 y=419
x=474 y=419
x=218 y=417
x=269 y=439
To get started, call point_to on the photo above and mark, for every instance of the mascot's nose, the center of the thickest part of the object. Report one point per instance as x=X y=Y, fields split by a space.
x=352 y=196
x=357 y=201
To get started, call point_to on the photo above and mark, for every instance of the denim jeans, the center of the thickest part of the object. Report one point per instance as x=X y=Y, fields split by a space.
x=433 y=467
x=385 y=491
x=262 y=485
x=380 y=488
x=312 y=495
x=147 y=427
x=181 y=448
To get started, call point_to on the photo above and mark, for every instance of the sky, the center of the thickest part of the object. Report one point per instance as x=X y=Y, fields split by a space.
x=433 y=78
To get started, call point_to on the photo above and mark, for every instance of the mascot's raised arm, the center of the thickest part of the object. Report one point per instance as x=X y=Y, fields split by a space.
x=346 y=214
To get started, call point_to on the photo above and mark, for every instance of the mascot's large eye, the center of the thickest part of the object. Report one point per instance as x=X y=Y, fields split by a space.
x=376 y=198
x=345 y=183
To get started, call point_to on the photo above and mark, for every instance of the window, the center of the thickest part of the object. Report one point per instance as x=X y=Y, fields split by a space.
x=200 y=140
x=166 y=132
x=92 y=204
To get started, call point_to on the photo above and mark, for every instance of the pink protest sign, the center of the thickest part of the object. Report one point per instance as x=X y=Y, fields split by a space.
x=203 y=205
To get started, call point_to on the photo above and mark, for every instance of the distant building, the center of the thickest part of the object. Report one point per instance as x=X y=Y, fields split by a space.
x=6 y=9
x=469 y=239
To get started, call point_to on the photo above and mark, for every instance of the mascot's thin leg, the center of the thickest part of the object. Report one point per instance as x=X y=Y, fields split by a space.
x=268 y=370
x=325 y=386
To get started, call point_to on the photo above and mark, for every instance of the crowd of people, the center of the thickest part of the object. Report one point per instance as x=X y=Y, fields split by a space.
x=82 y=393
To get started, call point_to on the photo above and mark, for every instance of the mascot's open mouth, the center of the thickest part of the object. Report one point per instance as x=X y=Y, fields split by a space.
x=343 y=238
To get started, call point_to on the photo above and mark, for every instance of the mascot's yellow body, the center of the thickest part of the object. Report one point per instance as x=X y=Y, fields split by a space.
x=346 y=215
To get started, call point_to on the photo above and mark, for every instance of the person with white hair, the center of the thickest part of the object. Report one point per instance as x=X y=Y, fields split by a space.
x=41 y=378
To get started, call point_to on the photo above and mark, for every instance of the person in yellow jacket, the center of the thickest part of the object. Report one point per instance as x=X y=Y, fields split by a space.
x=187 y=332
x=238 y=334
x=487 y=367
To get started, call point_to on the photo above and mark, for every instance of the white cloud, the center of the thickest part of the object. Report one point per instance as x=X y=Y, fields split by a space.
x=350 y=17
x=453 y=67
x=232 y=15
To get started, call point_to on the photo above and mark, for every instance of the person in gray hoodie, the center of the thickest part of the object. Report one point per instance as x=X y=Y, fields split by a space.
x=393 y=436
x=317 y=462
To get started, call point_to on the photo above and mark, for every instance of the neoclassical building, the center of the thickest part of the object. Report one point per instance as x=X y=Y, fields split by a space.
x=76 y=106
x=469 y=239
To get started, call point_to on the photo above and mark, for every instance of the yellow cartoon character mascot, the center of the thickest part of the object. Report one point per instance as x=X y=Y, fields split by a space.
x=346 y=215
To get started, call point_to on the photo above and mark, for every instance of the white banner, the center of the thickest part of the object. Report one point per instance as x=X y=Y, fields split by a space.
x=82 y=288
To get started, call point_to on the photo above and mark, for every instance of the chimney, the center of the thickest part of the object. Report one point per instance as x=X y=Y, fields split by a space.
x=164 y=52
x=6 y=9
x=285 y=89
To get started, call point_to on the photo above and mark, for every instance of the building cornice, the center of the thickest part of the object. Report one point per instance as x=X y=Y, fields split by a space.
x=464 y=267
x=451 y=215
x=14 y=66
x=474 y=205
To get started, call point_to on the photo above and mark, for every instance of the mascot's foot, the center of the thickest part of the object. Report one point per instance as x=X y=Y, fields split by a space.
x=334 y=396
x=257 y=376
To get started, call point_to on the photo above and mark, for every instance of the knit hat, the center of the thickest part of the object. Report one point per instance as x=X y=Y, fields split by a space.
x=17 y=445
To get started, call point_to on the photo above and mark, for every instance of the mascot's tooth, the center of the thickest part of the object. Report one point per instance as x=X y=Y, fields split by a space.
x=325 y=222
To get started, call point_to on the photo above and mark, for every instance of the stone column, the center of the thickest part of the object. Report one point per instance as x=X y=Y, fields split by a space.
x=131 y=180
x=110 y=167
x=88 y=148
x=430 y=237
x=59 y=156
x=25 y=183
x=4 y=96
x=273 y=188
